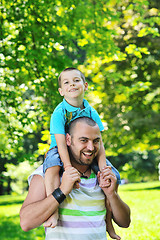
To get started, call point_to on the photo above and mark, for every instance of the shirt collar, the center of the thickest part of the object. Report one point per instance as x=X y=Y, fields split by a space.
x=70 y=108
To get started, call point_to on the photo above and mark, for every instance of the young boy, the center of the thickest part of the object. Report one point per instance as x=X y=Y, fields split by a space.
x=72 y=86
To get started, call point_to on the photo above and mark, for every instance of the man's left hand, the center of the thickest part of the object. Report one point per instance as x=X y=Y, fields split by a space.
x=109 y=177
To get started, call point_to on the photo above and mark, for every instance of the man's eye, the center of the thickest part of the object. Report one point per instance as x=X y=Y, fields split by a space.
x=83 y=140
x=96 y=141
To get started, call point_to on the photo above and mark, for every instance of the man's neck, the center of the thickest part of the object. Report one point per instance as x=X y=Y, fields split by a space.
x=84 y=170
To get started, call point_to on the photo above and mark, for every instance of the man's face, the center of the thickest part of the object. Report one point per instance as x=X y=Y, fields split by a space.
x=84 y=143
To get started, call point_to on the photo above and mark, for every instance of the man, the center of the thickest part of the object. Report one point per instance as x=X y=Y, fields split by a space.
x=82 y=211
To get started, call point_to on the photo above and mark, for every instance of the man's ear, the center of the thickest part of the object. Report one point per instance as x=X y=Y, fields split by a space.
x=61 y=91
x=68 y=139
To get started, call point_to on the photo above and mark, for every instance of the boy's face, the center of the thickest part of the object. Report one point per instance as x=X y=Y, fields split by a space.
x=72 y=85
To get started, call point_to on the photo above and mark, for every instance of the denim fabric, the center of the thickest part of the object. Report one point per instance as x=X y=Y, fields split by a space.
x=115 y=171
x=52 y=159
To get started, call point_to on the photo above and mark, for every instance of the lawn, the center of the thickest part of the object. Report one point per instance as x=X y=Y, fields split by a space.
x=143 y=199
x=144 y=202
x=10 y=223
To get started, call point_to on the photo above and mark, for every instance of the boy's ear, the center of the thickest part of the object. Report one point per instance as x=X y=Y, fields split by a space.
x=85 y=86
x=68 y=139
x=61 y=91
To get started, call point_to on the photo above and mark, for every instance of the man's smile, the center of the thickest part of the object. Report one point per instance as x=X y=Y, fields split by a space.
x=88 y=154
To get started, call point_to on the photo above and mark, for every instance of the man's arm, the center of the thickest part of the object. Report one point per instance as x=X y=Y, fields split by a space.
x=120 y=210
x=37 y=208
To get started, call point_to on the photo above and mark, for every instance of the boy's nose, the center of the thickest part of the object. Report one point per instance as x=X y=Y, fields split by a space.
x=72 y=84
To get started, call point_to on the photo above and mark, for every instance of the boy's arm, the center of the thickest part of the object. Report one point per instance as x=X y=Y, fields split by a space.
x=101 y=157
x=62 y=149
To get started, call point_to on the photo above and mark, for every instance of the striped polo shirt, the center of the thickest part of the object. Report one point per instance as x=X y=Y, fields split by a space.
x=82 y=214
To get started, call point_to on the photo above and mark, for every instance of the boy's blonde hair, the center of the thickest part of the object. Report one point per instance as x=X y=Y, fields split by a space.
x=71 y=69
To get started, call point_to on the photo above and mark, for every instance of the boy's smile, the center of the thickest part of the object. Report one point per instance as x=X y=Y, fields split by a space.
x=73 y=90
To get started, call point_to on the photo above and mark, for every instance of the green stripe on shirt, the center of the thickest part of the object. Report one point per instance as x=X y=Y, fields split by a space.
x=63 y=211
x=92 y=175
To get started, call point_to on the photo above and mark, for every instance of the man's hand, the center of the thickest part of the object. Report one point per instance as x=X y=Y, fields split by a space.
x=70 y=176
x=120 y=210
x=109 y=177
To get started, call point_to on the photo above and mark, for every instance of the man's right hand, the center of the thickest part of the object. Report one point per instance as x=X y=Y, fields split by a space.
x=70 y=176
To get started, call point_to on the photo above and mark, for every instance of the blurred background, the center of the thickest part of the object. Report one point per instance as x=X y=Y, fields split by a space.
x=116 y=44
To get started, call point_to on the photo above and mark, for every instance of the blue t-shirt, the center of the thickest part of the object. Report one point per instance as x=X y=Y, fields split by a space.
x=64 y=113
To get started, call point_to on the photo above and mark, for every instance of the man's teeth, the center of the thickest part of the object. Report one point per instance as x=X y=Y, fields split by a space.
x=88 y=154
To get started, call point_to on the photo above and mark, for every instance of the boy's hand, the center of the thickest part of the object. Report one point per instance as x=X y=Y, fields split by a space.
x=76 y=184
x=108 y=175
x=104 y=180
x=69 y=178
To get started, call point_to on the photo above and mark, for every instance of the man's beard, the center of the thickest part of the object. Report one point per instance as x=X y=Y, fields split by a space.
x=78 y=159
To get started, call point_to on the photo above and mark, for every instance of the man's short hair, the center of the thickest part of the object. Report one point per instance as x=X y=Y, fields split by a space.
x=71 y=69
x=87 y=120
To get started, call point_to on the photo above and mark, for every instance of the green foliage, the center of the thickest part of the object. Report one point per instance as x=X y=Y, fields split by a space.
x=126 y=89
x=19 y=183
x=137 y=166
x=116 y=45
x=131 y=174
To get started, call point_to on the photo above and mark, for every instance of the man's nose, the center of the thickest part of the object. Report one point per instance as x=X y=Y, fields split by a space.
x=90 y=146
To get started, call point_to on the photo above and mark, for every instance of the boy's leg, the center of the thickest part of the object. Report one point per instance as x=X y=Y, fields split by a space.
x=52 y=181
x=109 y=225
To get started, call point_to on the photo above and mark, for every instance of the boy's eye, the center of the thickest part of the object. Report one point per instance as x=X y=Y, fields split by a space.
x=66 y=82
x=77 y=80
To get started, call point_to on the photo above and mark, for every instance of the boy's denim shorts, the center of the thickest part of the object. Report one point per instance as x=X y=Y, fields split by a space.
x=52 y=159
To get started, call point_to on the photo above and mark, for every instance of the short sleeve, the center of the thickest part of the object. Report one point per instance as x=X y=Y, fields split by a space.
x=57 y=123
x=97 y=119
x=38 y=171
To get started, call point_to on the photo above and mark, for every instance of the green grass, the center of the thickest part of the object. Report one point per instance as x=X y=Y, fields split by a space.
x=143 y=199
x=10 y=222
x=144 y=202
